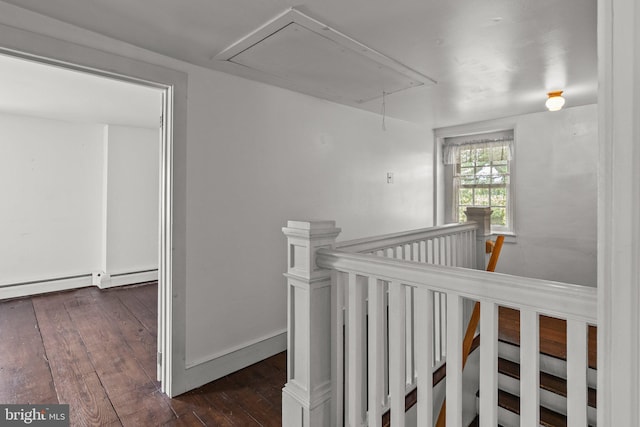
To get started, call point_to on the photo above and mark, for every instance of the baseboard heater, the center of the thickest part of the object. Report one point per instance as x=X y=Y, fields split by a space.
x=34 y=287
x=105 y=280
x=57 y=279
x=99 y=279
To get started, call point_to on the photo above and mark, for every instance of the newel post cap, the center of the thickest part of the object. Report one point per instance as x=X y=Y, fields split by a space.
x=481 y=215
x=311 y=229
x=304 y=238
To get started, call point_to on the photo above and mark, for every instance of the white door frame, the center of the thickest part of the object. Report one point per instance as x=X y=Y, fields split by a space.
x=618 y=213
x=171 y=269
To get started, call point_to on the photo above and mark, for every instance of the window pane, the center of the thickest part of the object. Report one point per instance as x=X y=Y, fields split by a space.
x=498 y=179
x=462 y=217
x=465 y=158
x=498 y=216
x=465 y=197
x=467 y=176
x=481 y=197
x=482 y=157
x=499 y=153
x=466 y=171
x=498 y=196
x=483 y=175
x=501 y=169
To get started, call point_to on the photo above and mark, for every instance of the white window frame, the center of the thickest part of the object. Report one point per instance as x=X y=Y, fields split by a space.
x=446 y=187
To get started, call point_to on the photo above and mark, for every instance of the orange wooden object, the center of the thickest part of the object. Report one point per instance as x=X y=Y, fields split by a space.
x=473 y=324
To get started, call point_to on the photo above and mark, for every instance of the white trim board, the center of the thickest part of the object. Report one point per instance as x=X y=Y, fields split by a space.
x=210 y=369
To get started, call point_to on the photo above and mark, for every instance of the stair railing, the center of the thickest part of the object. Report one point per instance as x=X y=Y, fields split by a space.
x=472 y=326
x=362 y=329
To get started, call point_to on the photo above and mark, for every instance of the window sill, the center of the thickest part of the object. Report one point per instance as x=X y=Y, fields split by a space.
x=509 y=237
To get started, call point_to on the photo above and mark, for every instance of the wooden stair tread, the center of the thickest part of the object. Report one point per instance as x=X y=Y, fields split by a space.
x=548 y=382
x=548 y=417
x=476 y=422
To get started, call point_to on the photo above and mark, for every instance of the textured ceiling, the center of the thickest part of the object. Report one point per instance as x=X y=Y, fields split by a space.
x=491 y=58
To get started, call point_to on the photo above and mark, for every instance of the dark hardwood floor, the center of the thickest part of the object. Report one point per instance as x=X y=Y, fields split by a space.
x=95 y=350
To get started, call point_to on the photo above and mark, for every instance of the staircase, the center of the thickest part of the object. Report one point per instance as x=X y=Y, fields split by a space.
x=386 y=312
x=553 y=371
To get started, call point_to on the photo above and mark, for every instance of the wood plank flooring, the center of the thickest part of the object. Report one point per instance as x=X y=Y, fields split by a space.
x=95 y=350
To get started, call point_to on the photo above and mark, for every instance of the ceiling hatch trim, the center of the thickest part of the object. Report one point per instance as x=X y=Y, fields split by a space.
x=300 y=53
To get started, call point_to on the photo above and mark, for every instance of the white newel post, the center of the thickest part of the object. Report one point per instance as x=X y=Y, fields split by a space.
x=306 y=397
x=483 y=217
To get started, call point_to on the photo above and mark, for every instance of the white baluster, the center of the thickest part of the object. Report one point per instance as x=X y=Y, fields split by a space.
x=529 y=369
x=337 y=353
x=435 y=259
x=488 y=364
x=454 y=360
x=410 y=332
x=355 y=354
x=442 y=297
x=397 y=345
x=376 y=351
x=468 y=246
x=437 y=317
x=424 y=354
x=576 y=373
x=454 y=250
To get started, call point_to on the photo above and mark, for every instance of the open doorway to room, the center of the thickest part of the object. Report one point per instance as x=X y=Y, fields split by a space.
x=80 y=163
x=83 y=161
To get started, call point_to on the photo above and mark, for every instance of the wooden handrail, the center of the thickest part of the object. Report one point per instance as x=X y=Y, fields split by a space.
x=473 y=325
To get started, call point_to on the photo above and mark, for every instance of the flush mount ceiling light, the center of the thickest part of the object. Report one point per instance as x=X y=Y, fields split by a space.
x=555 y=101
x=300 y=53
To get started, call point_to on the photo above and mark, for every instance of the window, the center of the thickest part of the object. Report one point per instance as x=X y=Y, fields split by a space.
x=480 y=175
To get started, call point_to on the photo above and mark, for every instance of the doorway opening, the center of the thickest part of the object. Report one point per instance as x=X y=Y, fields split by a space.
x=88 y=156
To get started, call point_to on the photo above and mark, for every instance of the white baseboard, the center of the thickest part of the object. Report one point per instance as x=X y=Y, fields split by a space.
x=218 y=366
x=122 y=279
x=41 y=287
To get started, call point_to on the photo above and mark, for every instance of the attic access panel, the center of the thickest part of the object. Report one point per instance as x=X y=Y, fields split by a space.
x=300 y=53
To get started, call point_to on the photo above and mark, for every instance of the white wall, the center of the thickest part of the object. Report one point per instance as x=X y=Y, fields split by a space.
x=63 y=190
x=555 y=176
x=260 y=155
x=132 y=207
x=556 y=197
x=50 y=171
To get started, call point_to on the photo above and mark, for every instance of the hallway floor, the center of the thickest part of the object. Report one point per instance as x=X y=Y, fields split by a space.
x=96 y=349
